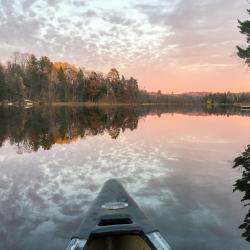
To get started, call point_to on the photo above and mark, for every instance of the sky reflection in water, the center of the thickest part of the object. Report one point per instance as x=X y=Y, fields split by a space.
x=178 y=167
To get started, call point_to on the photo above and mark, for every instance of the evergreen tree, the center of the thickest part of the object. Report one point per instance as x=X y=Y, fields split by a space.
x=62 y=85
x=82 y=88
x=32 y=78
x=14 y=80
x=45 y=79
x=3 y=88
x=244 y=53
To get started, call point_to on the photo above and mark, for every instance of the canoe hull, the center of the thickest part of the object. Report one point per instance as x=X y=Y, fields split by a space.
x=114 y=214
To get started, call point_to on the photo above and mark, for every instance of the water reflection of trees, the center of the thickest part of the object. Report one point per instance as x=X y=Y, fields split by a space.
x=34 y=128
x=243 y=185
x=30 y=129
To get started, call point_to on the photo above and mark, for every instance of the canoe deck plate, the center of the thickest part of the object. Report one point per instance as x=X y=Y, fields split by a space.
x=115 y=205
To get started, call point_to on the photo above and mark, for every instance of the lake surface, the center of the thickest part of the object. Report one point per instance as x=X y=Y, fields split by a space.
x=175 y=162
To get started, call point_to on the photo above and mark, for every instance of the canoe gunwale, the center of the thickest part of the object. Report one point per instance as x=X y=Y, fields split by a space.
x=154 y=240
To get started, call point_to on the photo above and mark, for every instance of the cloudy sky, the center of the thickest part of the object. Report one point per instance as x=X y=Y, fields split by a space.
x=173 y=45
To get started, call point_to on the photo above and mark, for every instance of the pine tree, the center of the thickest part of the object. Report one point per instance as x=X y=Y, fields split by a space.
x=32 y=82
x=62 y=85
x=3 y=88
x=244 y=53
x=45 y=70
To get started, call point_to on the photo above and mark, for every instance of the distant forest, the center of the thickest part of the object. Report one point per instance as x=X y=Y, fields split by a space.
x=40 y=80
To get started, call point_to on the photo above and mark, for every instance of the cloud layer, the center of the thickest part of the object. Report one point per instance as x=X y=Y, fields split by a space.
x=81 y=31
x=162 y=37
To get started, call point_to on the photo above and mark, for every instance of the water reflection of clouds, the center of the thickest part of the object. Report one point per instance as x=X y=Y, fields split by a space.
x=180 y=184
x=205 y=140
x=2 y=158
x=203 y=209
x=51 y=191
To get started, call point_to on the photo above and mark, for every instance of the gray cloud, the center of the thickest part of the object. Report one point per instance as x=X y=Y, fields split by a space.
x=201 y=29
x=88 y=35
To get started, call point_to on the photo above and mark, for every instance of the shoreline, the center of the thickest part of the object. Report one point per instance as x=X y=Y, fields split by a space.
x=116 y=104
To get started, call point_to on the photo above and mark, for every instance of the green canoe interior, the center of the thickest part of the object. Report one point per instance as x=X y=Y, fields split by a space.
x=121 y=242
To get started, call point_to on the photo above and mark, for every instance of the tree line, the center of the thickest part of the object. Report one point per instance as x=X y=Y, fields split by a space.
x=226 y=98
x=41 y=80
x=26 y=77
x=205 y=99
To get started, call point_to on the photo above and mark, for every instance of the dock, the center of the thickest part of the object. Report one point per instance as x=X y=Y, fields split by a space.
x=245 y=107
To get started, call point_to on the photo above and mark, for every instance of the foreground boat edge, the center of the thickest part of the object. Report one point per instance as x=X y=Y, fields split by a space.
x=104 y=220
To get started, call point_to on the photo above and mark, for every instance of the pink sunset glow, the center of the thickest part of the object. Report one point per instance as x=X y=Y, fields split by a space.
x=176 y=45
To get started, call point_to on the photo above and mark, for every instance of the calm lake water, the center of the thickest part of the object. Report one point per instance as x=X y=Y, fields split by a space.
x=175 y=162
